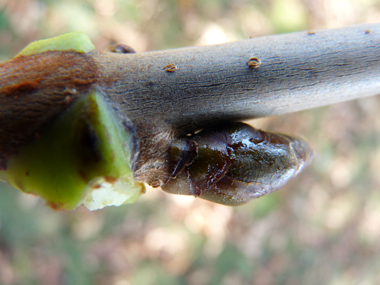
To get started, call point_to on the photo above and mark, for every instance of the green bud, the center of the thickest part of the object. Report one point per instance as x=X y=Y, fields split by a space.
x=75 y=41
x=81 y=157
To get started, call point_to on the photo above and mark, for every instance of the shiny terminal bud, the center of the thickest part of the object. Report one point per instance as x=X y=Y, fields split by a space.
x=237 y=163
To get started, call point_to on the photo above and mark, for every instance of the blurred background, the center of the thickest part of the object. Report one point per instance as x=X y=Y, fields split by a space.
x=322 y=228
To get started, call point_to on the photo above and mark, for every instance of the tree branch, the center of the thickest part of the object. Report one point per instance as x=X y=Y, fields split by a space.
x=162 y=96
x=189 y=88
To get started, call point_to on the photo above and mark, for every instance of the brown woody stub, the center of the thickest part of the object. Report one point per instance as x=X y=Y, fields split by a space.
x=121 y=48
x=170 y=67
x=254 y=62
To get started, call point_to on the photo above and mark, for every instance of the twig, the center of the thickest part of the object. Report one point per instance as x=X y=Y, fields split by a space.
x=292 y=72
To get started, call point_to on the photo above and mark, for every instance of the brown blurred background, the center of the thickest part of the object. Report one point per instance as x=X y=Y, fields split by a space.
x=322 y=228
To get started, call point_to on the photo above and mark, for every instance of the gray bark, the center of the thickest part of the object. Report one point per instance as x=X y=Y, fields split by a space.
x=211 y=84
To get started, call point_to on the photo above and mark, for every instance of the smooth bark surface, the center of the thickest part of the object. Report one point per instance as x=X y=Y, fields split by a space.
x=189 y=88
